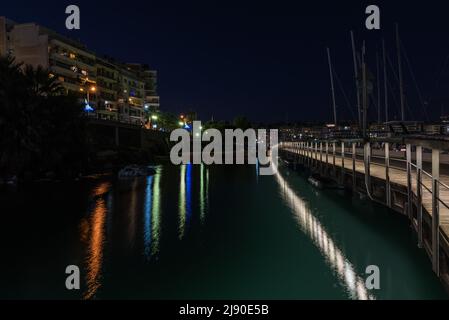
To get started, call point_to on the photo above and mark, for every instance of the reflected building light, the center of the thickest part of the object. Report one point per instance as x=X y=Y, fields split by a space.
x=101 y=189
x=182 y=202
x=156 y=212
x=147 y=218
x=189 y=192
x=257 y=169
x=204 y=191
x=185 y=198
x=94 y=259
x=335 y=258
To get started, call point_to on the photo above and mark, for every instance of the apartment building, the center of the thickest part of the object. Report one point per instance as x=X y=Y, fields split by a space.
x=131 y=96
x=108 y=77
x=152 y=100
x=115 y=91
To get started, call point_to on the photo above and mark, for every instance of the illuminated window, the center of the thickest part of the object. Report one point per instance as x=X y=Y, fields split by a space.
x=72 y=56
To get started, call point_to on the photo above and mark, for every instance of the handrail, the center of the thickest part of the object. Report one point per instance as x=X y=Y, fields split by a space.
x=444 y=204
x=427 y=174
x=443 y=184
x=427 y=188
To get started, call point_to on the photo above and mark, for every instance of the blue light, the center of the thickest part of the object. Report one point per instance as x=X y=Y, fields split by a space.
x=87 y=107
x=187 y=127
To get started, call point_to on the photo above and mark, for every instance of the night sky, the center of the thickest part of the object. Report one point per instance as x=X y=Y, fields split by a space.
x=266 y=61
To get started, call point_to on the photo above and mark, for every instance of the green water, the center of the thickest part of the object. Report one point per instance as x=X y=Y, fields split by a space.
x=197 y=232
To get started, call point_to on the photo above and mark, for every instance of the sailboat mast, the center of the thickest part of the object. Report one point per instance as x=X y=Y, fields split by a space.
x=401 y=84
x=365 y=91
x=356 y=76
x=332 y=85
x=385 y=79
x=378 y=87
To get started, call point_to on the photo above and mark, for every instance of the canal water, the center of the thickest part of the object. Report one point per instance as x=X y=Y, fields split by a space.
x=198 y=232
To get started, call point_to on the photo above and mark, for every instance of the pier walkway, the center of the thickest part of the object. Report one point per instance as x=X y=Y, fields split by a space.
x=400 y=182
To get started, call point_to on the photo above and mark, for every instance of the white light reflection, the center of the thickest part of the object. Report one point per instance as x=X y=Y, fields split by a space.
x=354 y=284
x=152 y=214
x=204 y=191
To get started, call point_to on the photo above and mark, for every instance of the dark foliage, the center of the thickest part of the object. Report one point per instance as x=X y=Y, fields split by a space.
x=41 y=129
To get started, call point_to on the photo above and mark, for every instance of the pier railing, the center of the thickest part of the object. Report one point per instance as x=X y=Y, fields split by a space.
x=411 y=164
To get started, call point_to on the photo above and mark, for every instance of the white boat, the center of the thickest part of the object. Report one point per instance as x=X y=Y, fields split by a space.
x=134 y=171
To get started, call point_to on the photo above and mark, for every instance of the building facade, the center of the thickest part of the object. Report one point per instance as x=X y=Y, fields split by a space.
x=110 y=90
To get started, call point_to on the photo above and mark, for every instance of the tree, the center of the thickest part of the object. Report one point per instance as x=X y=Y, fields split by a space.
x=168 y=121
x=40 y=127
x=241 y=122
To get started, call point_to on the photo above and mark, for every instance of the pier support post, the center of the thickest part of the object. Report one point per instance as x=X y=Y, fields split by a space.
x=409 y=181
x=295 y=155
x=419 y=194
x=334 y=151
x=387 y=175
x=367 y=164
x=327 y=158
x=308 y=154
x=321 y=158
x=354 y=172
x=302 y=153
x=342 y=178
x=306 y=163
x=316 y=155
x=436 y=211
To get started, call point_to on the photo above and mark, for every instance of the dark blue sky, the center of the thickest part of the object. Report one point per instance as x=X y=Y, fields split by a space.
x=266 y=61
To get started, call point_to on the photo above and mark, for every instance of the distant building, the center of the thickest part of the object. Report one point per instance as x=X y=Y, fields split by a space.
x=149 y=77
x=115 y=91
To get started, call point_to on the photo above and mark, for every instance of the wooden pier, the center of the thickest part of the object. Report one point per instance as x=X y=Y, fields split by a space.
x=413 y=187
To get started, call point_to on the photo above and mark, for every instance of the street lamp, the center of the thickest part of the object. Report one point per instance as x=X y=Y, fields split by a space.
x=92 y=89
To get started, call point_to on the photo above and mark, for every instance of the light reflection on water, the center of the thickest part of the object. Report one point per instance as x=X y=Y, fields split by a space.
x=93 y=229
x=310 y=224
x=185 y=199
x=151 y=232
x=204 y=191
x=96 y=238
